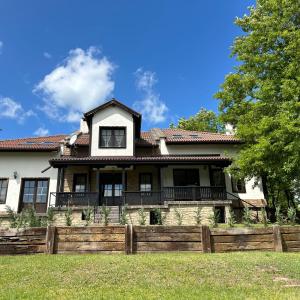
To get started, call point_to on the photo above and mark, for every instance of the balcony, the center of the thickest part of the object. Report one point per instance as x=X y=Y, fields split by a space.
x=178 y=193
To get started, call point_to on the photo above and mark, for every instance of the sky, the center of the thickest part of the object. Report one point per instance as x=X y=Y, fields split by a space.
x=60 y=58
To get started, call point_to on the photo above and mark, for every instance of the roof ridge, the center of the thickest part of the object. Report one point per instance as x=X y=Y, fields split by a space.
x=34 y=137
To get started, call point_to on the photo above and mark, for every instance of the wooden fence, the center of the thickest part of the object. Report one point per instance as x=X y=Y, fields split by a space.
x=137 y=239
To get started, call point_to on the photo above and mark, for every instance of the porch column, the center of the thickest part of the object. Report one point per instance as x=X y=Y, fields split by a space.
x=62 y=180
x=98 y=185
x=123 y=184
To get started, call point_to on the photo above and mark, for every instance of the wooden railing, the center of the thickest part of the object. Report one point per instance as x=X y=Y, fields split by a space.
x=76 y=199
x=177 y=193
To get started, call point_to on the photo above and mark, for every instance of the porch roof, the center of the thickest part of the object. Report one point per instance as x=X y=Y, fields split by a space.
x=160 y=159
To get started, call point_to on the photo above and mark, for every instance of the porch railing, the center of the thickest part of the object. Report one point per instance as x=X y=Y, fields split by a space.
x=143 y=198
x=76 y=199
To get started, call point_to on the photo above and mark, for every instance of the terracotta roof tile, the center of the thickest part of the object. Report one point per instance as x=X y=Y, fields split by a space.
x=47 y=143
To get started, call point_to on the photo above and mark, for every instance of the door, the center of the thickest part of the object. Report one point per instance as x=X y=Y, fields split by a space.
x=111 y=189
x=34 y=193
x=217 y=180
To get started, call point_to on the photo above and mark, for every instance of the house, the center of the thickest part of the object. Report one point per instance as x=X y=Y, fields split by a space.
x=110 y=161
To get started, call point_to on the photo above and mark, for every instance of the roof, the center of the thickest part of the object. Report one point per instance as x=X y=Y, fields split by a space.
x=112 y=160
x=39 y=144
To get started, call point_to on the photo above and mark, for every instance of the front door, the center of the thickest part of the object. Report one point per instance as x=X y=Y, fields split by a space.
x=34 y=193
x=111 y=188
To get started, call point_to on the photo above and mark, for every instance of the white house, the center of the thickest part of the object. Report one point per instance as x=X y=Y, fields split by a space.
x=110 y=161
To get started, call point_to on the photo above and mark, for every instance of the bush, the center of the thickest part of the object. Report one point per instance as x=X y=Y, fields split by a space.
x=88 y=213
x=142 y=216
x=160 y=218
x=178 y=216
x=214 y=218
x=292 y=215
x=264 y=217
x=231 y=218
x=279 y=216
x=32 y=220
x=198 y=215
x=247 y=217
x=124 y=217
x=68 y=217
x=50 y=216
x=15 y=220
x=105 y=212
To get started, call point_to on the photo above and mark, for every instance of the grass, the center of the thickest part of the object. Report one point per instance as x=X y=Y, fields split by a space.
x=248 y=275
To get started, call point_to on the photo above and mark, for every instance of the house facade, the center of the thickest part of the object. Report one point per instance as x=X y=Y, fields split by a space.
x=110 y=161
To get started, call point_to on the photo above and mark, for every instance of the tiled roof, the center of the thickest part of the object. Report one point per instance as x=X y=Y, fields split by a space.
x=47 y=143
x=174 y=136
x=137 y=159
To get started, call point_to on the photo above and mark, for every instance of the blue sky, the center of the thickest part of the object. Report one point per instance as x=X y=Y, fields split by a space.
x=59 y=58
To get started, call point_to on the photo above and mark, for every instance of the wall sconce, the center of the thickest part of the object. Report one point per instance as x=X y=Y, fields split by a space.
x=15 y=174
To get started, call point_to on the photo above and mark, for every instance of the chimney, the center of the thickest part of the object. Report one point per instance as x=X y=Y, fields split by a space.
x=83 y=126
x=229 y=129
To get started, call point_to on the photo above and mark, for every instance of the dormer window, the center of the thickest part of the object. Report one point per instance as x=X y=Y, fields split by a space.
x=112 y=137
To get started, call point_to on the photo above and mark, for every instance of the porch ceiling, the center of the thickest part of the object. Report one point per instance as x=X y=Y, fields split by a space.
x=161 y=159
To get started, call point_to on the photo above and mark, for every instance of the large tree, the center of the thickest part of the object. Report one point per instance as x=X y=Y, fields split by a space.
x=204 y=120
x=261 y=96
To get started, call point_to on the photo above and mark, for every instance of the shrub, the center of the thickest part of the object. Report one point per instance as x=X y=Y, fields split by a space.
x=15 y=220
x=160 y=218
x=264 y=217
x=32 y=220
x=292 y=215
x=198 y=215
x=178 y=216
x=50 y=216
x=68 y=217
x=124 y=217
x=142 y=216
x=247 y=217
x=231 y=218
x=88 y=213
x=279 y=216
x=105 y=212
x=214 y=218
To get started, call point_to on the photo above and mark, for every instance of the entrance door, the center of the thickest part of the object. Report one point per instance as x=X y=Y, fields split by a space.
x=111 y=188
x=34 y=193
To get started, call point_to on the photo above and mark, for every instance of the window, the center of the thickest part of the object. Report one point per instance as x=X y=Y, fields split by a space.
x=35 y=194
x=219 y=212
x=186 y=177
x=3 y=190
x=238 y=185
x=79 y=183
x=145 y=182
x=217 y=176
x=112 y=137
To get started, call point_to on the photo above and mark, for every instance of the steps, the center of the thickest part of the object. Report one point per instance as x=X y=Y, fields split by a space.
x=114 y=216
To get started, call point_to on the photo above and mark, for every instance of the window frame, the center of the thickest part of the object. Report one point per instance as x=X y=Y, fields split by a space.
x=151 y=182
x=189 y=170
x=35 y=179
x=112 y=128
x=5 y=178
x=235 y=188
x=75 y=175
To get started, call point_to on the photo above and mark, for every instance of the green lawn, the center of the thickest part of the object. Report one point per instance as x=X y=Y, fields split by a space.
x=251 y=275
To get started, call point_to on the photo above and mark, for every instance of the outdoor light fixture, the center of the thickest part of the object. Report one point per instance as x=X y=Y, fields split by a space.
x=15 y=174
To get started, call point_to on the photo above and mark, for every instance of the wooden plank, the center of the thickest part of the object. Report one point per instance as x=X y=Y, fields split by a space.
x=128 y=239
x=91 y=237
x=206 y=239
x=99 y=246
x=21 y=249
x=240 y=231
x=223 y=247
x=22 y=232
x=292 y=244
x=168 y=246
x=168 y=237
x=50 y=239
x=165 y=229
x=278 y=247
x=243 y=238
x=100 y=229
x=290 y=229
x=293 y=250
x=89 y=252
x=291 y=236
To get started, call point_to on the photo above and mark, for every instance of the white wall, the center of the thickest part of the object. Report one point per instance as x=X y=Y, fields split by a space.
x=112 y=116
x=26 y=165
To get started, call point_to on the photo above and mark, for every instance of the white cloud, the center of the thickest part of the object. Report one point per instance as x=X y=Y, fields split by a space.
x=81 y=82
x=1 y=47
x=47 y=55
x=12 y=109
x=152 y=108
x=41 y=131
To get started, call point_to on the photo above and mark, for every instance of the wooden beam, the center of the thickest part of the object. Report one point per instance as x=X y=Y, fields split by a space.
x=205 y=238
x=278 y=247
x=50 y=239
x=128 y=239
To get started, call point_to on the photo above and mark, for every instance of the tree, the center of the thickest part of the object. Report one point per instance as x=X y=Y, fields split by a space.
x=204 y=120
x=261 y=98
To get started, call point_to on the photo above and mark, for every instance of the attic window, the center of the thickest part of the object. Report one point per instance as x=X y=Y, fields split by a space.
x=47 y=143
x=29 y=143
x=194 y=136
x=177 y=136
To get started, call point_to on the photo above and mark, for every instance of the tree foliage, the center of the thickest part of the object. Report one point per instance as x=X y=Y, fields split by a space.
x=261 y=97
x=204 y=120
